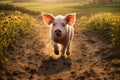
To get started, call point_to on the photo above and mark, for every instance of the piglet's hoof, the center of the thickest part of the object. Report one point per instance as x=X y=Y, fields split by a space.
x=56 y=52
x=67 y=53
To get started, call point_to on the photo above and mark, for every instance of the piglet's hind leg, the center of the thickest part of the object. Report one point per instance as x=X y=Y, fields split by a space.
x=68 y=50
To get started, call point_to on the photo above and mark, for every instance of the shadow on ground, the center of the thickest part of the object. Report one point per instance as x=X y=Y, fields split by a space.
x=52 y=66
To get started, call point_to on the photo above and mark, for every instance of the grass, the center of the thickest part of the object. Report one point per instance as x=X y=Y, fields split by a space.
x=53 y=8
x=5 y=1
x=10 y=7
x=64 y=8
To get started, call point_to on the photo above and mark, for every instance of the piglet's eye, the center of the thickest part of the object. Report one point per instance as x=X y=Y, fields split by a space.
x=63 y=24
x=53 y=24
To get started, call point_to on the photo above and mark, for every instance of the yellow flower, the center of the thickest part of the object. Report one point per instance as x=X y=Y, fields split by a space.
x=2 y=14
x=17 y=12
x=114 y=24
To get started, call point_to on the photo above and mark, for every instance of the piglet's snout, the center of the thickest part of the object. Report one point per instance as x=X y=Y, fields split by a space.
x=58 y=32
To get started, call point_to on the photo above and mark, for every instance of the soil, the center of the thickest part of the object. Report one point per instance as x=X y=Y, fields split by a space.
x=32 y=58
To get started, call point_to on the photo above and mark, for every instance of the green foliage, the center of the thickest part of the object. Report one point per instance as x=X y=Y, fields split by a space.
x=49 y=1
x=108 y=25
x=61 y=8
x=101 y=1
x=70 y=7
x=22 y=0
x=14 y=8
x=11 y=27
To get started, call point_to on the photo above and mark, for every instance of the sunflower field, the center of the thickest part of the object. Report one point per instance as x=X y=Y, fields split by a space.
x=107 y=25
x=12 y=26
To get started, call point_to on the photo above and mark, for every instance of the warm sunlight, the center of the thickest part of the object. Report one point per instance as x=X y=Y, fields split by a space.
x=59 y=39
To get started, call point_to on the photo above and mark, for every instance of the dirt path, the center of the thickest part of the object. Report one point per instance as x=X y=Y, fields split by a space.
x=30 y=58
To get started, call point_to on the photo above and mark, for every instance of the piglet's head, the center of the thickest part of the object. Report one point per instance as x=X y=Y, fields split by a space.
x=59 y=24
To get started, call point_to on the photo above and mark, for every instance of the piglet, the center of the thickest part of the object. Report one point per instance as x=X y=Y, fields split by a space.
x=61 y=31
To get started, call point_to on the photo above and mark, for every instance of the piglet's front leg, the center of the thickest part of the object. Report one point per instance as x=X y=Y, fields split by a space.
x=56 y=49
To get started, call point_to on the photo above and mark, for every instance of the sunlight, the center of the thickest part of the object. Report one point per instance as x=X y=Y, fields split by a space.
x=26 y=52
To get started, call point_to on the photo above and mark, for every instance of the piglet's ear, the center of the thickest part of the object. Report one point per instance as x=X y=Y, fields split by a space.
x=48 y=18
x=70 y=18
